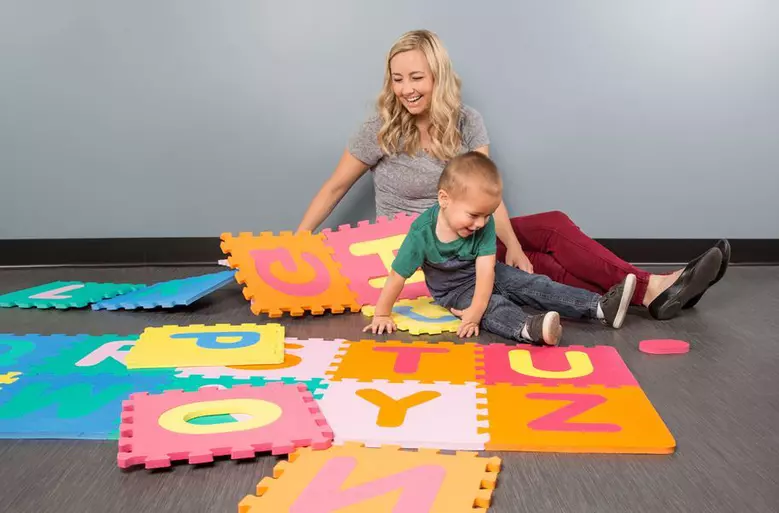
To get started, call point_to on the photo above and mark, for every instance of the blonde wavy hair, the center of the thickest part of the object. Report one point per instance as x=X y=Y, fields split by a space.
x=399 y=127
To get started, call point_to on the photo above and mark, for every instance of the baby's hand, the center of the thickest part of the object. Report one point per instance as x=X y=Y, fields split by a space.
x=468 y=329
x=380 y=324
x=471 y=318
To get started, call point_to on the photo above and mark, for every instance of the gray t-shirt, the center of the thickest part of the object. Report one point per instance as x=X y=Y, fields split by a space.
x=404 y=183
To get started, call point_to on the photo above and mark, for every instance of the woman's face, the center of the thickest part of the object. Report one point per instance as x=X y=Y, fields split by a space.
x=412 y=80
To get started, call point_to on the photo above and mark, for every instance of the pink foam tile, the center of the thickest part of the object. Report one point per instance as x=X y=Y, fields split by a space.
x=409 y=414
x=304 y=359
x=574 y=365
x=144 y=441
x=359 y=269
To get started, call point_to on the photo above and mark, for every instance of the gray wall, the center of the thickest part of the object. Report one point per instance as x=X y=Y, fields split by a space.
x=189 y=118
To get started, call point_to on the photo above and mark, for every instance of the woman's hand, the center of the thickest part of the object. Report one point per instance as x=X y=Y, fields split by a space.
x=381 y=324
x=515 y=257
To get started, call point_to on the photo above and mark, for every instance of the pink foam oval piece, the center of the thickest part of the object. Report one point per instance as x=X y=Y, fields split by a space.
x=664 y=346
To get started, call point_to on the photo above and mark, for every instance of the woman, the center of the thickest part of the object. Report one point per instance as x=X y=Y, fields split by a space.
x=421 y=123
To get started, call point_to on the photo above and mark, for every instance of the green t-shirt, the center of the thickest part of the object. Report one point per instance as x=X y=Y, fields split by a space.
x=421 y=245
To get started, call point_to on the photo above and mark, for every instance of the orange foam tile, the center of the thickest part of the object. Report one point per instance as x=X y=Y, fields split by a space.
x=352 y=479
x=395 y=361
x=288 y=272
x=566 y=418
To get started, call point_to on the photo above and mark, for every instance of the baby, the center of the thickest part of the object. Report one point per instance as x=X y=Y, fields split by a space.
x=454 y=243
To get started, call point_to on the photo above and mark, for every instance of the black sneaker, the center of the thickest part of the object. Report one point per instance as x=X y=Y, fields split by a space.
x=544 y=329
x=616 y=301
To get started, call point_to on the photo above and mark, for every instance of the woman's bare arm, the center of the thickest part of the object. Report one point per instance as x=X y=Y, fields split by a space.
x=346 y=174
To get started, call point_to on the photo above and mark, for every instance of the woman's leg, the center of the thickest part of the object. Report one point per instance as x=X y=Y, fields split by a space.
x=569 y=256
x=547 y=265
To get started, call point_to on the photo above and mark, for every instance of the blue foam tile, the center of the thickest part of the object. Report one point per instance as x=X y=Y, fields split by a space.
x=23 y=353
x=168 y=294
x=44 y=406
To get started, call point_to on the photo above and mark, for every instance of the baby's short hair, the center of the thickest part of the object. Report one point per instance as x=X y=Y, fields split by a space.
x=467 y=167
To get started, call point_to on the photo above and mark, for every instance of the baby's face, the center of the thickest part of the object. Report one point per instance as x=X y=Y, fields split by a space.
x=471 y=211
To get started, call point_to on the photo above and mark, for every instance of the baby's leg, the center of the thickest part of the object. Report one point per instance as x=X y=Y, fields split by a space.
x=539 y=291
x=507 y=319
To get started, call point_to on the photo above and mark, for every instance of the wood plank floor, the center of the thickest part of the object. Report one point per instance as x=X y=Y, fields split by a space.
x=721 y=402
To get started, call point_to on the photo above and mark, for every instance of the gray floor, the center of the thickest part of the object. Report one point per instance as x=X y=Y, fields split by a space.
x=721 y=402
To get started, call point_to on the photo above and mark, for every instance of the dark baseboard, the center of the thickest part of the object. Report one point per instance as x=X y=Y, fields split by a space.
x=110 y=252
x=205 y=250
x=675 y=251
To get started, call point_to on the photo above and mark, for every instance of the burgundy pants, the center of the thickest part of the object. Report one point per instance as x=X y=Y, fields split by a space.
x=558 y=249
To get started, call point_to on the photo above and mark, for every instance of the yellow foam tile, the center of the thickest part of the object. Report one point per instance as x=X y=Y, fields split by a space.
x=204 y=346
